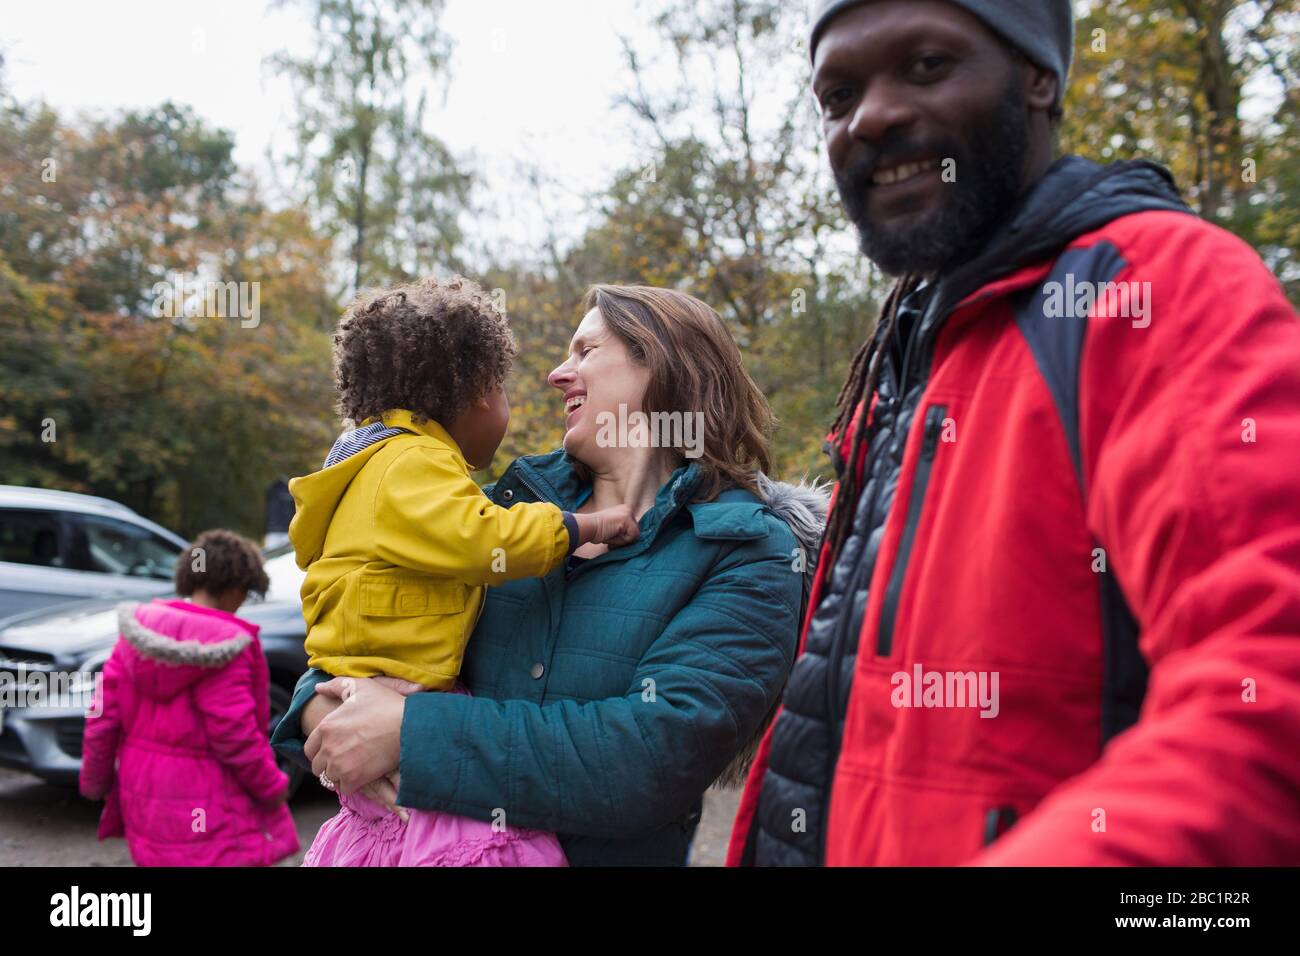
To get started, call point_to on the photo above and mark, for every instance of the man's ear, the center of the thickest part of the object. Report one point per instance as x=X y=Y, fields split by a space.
x=1040 y=87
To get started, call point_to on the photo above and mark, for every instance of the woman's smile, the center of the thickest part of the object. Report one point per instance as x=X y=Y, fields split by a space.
x=573 y=404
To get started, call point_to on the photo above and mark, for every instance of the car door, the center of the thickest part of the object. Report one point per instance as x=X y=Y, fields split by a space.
x=118 y=558
x=36 y=561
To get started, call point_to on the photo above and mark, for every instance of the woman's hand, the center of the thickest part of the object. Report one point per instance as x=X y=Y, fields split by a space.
x=359 y=742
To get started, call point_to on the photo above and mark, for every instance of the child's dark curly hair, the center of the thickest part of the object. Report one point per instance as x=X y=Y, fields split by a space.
x=431 y=347
x=217 y=561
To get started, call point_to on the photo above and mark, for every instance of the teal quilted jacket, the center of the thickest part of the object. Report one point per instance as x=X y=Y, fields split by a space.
x=606 y=699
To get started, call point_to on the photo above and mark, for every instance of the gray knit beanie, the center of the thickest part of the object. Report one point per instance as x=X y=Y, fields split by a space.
x=1043 y=30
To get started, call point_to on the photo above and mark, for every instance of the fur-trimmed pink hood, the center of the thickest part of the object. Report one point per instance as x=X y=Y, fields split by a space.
x=178 y=643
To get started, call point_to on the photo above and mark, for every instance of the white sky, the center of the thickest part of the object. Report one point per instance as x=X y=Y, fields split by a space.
x=530 y=81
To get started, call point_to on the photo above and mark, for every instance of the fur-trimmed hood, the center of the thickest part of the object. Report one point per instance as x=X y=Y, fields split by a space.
x=803 y=506
x=177 y=643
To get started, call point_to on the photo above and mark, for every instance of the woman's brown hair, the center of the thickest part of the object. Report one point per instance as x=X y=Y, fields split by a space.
x=694 y=366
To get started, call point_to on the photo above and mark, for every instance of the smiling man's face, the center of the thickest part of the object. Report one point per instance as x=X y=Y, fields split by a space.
x=927 y=129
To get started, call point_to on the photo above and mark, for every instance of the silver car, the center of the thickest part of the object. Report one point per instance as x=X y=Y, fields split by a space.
x=70 y=644
x=57 y=547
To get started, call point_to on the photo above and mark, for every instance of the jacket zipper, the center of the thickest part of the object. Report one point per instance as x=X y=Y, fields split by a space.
x=545 y=582
x=919 y=483
x=836 y=659
x=691 y=818
x=523 y=480
x=886 y=409
x=894 y=406
x=931 y=317
x=934 y=417
x=997 y=821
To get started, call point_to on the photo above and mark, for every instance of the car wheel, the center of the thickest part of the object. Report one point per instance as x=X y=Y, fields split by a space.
x=281 y=698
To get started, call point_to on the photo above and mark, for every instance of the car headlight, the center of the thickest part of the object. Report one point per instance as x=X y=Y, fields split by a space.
x=85 y=677
x=95 y=663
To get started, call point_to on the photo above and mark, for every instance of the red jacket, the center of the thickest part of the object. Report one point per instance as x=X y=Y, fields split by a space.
x=1167 y=447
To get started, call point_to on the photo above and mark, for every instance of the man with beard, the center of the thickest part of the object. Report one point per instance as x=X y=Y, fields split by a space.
x=1067 y=464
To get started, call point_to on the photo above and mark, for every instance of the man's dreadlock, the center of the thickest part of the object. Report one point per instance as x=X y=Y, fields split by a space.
x=864 y=376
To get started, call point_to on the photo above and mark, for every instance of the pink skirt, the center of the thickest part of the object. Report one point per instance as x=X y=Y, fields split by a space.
x=363 y=833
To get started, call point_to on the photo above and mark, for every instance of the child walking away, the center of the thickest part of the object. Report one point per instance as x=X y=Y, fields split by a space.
x=399 y=543
x=180 y=750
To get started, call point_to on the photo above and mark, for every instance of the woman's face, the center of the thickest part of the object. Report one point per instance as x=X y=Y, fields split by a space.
x=598 y=376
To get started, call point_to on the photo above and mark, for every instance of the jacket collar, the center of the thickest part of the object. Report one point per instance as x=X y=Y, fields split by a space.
x=1074 y=197
x=168 y=650
x=401 y=418
x=552 y=478
x=734 y=514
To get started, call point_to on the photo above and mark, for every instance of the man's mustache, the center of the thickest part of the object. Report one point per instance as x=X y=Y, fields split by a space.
x=855 y=178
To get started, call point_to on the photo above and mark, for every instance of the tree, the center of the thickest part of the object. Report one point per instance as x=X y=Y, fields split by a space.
x=374 y=172
x=733 y=204
x=1169 y=81
x=185 y=416
x=730 y=202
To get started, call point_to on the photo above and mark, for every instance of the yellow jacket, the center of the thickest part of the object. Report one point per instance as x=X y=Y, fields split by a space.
x=398 y=544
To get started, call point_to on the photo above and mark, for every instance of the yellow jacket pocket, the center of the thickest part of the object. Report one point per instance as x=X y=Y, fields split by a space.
x=412 y=627
x=381 y=596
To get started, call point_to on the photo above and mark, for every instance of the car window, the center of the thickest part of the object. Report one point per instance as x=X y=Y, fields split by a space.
x=31 y=537
x=118 y=547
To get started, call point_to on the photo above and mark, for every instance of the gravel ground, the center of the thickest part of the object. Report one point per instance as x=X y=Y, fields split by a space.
x=44 y=825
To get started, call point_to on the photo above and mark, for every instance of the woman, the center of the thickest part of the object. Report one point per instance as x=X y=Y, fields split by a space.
x=608 y=696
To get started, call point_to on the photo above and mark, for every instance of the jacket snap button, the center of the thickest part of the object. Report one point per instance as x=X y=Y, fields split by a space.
x=507 y=495
x=537 y=670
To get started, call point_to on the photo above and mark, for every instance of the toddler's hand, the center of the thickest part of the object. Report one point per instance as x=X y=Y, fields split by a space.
x=404 y=687
x=616 y=526
x=384 y=792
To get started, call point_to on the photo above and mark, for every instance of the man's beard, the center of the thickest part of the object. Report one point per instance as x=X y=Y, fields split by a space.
x=989 y=167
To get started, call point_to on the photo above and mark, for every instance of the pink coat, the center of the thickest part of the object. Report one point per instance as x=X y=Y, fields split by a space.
x=181 y=750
